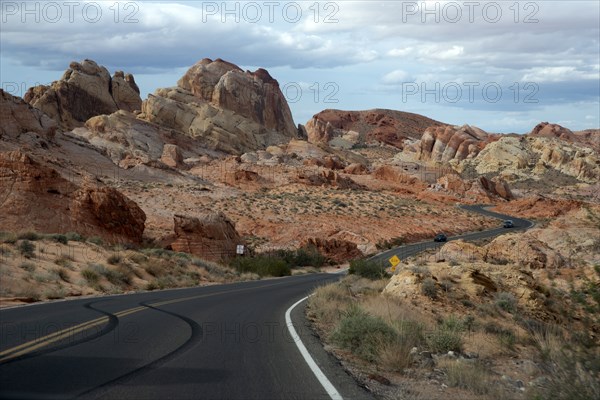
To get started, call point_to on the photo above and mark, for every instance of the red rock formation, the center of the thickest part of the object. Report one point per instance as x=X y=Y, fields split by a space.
x=391 y=174
x=588 y=138
x=336 y=250
x=386 y=126
x=211 y=236
x=84 y=91
x=326 y=178
x=451 y=142
x=34 y=196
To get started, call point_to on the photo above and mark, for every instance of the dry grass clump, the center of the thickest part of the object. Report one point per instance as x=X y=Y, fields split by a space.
x=471 y=376
x=327 y=305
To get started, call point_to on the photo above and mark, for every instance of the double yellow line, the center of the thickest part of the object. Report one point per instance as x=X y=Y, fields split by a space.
x=47 y=340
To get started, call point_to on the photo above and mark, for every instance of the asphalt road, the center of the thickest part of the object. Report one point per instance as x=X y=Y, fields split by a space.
x=410 y=250
x=217 y=342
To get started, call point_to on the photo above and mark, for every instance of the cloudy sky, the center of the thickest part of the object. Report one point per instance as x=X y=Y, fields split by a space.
x=503 y=66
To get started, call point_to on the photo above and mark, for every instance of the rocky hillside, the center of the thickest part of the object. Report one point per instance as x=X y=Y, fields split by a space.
x=347 y=128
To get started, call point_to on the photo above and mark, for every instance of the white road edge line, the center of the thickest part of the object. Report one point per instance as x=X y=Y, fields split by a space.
x=327 y=385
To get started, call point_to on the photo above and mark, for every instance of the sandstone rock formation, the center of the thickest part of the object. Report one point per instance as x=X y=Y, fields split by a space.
x=326 y=178
x=211 y=236
x=382 y=126
x=445 y=143
x=519 y=158
x=19 y=117
x=34 y=196
x=130 y=141
x=84 y=91
x=231 y=110
x=496 y=187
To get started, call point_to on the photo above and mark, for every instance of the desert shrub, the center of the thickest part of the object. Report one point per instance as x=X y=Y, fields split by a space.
x=442 y=341
x=58 y=292
x=363 y=334
x=156 y=268
x=429 y=288
x=59 y=238
x=447 y=336
x=368 y=269
x=62 y=274
x=31 y=292
x=33 y=236
x=75 y=237
x=50 y=276
x=8 y=237
x=506 y=302
x=571 y=375
x=90 y=275
x=96 y=240
x=137 y=258
x=65 y=261
x=27 y=266
x=114 y=259
x=472 y=377
x=118 y=277
x=262 y=265
x=395 y=355
x=163 y=282
x=328 y=303
x=307 y=256
x=27 y=249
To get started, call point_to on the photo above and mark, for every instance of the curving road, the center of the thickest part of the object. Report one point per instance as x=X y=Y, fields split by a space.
x=404 y=252
x=216 y=342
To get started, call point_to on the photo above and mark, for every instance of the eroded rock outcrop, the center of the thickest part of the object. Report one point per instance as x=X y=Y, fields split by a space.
x=231 y=110
x=211 y=236
x=34 y=196
x=447 y=143
x=519 y=158
x=84 y=91
x=19 y=117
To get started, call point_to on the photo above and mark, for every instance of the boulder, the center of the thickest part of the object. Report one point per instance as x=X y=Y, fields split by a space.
x=356 y=169
x=172 y=156
x=211 y=236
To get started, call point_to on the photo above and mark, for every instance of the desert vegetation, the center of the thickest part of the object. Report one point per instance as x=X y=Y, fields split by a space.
x=36 y=267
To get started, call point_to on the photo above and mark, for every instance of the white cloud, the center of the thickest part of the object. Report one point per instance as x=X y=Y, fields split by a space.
x=395 y=77
x=558 y=74
x=401 y=52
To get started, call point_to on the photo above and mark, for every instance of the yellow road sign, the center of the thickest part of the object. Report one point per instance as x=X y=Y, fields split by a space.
x=394 y=261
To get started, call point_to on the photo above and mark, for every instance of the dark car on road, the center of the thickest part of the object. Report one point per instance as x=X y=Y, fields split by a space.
x=440 y=237
x=508 y=224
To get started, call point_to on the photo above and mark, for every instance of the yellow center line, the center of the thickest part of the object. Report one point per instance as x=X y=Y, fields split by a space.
x=44 y=341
